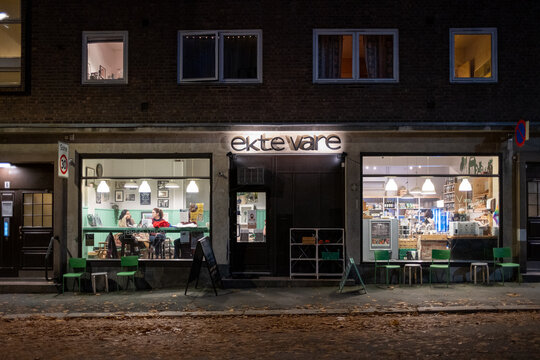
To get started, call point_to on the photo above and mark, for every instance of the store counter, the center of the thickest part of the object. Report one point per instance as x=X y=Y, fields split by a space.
x=471 y=247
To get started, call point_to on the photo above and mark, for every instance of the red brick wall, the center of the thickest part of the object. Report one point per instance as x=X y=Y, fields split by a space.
x=287 y=94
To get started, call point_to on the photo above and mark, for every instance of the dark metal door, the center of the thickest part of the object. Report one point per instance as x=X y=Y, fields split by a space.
x=9 y=261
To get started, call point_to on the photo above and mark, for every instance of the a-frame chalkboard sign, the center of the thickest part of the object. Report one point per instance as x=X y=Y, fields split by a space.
x=204 y=249
x=351 y=265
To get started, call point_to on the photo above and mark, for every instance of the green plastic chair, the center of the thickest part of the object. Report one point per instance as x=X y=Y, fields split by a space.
x=128 y=263
x=501 y=254
x=77 y=264
x=384 y=256
x=440 y=255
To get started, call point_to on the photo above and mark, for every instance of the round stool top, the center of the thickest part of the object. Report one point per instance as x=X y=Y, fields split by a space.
x=479 y=264
x=413 y=265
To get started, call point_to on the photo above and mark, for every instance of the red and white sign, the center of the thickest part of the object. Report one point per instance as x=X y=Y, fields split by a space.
x=63 y=163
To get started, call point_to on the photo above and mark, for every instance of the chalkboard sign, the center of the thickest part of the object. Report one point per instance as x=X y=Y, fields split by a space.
x=351 y=265
x=204 y=249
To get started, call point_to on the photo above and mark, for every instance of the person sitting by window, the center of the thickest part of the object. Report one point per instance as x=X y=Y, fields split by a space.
x=125 y=219
x=157 y=239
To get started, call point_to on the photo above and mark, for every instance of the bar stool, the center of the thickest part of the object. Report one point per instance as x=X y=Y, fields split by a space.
x=485 y=269
x=104 y=274
x=415 y=267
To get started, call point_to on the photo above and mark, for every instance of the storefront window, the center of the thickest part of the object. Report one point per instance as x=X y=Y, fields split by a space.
x=119 y=198
x=251 y=217
x=414 y=204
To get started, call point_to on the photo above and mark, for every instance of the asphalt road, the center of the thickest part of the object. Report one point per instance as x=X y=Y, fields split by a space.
x=512 y=335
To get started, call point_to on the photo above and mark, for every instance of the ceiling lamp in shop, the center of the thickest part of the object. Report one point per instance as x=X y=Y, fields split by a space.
x=465 y=185
x=391 y=185
x=428 y=188
x=192 y=187
x=103 y=187
x=416 y=190
x=145 y=187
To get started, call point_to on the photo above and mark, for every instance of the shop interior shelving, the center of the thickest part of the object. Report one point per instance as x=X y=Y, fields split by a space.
x=317 y=252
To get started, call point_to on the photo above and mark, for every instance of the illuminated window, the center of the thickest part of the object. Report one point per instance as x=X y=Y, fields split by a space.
x=105 y=57
x=10 y=43
x=355 y=56
x=473 y=55
x=37 y=209
x=224 y=56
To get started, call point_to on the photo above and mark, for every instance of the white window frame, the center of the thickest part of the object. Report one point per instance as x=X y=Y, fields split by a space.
x=219 y=61
x=104 y=35
x=494 y=62
x=355 y=62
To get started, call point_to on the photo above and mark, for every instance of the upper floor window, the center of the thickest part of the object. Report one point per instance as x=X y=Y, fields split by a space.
x=473 y=55
x=355 y=56
x=105 y=57
x=224 y=56
x=10 y=43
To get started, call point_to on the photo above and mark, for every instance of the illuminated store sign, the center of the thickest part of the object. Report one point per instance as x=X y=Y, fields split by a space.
x=286 y=143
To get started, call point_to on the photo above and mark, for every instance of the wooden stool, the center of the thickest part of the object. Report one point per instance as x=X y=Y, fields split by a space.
x=485 y=269
x=104 y=274
x=415 y=267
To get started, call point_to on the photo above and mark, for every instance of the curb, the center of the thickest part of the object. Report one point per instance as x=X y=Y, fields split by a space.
x=277 y=312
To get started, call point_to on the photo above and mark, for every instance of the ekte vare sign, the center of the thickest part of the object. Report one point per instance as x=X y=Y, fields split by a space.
x=289 y=143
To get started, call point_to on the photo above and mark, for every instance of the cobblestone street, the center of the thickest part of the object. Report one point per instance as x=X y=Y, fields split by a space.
x=514 y=335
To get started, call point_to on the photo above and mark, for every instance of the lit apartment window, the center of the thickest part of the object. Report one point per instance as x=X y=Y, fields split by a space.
x=105 y=57
x=10 y=43
x=355 y=56
x=220 y=56
x=473 y=55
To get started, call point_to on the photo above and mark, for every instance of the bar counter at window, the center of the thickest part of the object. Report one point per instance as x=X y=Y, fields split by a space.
x=414 y=204
x=118 y=199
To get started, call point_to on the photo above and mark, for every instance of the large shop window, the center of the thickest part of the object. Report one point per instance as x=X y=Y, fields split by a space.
x=355 y=56
x=10 y=43
x=119 y=201
x=473 y=55
x=223 y=56
x=105 y=57
x=414 y=204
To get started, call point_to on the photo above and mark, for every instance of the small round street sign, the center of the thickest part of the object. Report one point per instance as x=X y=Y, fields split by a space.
x=63 y=164
x=521 y=133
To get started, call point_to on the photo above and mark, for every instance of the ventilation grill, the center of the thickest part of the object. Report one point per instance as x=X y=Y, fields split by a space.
x=250 y=176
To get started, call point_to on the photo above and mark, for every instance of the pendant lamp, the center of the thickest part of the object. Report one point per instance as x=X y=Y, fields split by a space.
x=428 y=188
x=465 y=185
x=416 y=190
x=103 y=187
x=192 y=187
x=391 y=185
x=145 y=187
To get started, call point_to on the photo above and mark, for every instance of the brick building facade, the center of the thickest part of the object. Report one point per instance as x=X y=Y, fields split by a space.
x=422 y=113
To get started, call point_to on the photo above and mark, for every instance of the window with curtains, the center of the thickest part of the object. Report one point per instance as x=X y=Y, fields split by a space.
x=220 y=56
x=355 y=56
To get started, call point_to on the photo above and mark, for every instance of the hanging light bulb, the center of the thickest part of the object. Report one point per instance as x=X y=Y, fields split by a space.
x=145 y=187
x=391 y=185
x=103 y=187
x=192 y=187
x=428 y=188
x=131 y=185
x=465 y=185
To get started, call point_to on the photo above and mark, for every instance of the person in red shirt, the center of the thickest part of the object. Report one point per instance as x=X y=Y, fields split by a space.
x=157 y=222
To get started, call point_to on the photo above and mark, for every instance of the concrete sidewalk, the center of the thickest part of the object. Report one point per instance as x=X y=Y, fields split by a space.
x=276 y=301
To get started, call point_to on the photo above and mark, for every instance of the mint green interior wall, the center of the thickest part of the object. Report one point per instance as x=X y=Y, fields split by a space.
x=108 y=219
